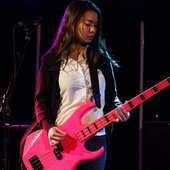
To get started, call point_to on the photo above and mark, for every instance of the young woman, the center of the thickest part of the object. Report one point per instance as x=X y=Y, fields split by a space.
x=75 y=70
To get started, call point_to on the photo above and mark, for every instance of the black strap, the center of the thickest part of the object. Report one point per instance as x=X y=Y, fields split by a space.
x=94 y=78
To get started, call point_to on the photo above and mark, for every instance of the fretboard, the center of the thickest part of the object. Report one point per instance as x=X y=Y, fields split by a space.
x=110 y=117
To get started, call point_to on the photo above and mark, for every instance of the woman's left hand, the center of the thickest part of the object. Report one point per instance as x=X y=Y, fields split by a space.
x=122 y=115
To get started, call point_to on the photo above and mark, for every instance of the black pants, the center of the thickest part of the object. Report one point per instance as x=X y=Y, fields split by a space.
x=94 y=144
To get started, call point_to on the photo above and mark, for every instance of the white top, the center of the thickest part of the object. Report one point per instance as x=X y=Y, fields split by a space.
x=75 y=88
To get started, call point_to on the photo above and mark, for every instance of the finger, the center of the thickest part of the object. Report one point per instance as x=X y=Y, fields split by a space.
x=54 y=142
x=128 y=115
x=118 y=116
x=122 y=118
x=125 y=115
x=121 y=115
x=56 y=138
x=59 y=131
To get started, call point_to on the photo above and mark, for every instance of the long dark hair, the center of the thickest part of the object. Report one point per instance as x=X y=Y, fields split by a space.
x=63 y=42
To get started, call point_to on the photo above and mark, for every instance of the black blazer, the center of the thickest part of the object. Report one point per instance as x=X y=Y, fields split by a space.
x=47 y=96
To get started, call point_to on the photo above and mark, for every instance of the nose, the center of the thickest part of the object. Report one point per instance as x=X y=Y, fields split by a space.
x=92 y=29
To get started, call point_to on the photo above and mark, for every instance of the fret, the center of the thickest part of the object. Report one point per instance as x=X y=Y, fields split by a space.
x=89 y=129
x=142 y=97
x=95 y=126
x=130 y=104
x=83 y=133
x=107 y=119
x=155 y=89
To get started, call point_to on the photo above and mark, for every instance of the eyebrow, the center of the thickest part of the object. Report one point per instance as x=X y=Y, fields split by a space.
x=89 y=20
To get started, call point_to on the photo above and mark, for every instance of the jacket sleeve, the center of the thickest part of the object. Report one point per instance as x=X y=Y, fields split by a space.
x=111 y=98
x=116 y=101
x=42 y=96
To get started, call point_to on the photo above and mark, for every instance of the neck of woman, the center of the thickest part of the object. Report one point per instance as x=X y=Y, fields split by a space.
x=76 y=51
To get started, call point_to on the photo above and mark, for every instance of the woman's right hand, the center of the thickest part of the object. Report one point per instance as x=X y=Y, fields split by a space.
x=55 y=135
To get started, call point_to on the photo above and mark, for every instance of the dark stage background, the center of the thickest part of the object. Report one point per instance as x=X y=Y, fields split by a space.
x=122 y=21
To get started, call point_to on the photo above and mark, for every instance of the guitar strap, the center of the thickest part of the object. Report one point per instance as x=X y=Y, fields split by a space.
x=94 y=77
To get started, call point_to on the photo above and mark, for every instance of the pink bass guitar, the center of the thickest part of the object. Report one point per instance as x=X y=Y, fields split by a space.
x=39 y=155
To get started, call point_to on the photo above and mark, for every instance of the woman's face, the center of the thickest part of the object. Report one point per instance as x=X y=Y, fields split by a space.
x=87 y=27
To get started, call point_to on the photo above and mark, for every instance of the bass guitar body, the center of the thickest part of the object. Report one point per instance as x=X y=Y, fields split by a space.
x=38 y=154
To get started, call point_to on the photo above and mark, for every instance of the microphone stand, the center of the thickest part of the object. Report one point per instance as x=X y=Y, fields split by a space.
x=4 y=106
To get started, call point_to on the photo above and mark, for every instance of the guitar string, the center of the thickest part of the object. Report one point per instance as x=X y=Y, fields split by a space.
x=137 y=100
x=100 y=123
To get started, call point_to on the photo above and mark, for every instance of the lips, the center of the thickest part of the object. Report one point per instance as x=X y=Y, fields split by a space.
x=90 y=37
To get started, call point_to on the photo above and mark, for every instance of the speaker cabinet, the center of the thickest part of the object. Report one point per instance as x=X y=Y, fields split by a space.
x=157 y=145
